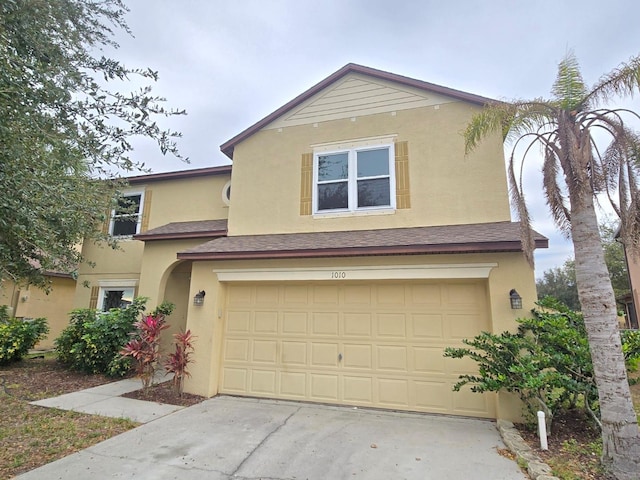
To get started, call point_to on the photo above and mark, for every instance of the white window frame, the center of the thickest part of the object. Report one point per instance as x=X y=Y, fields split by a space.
x=103 y=290
x=139 y=221
x=352 y=180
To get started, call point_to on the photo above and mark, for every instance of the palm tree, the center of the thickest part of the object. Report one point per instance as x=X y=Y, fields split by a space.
x=576 y=174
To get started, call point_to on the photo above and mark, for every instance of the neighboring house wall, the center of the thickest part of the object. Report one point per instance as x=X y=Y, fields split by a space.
x=32 y=302
x=634 y=278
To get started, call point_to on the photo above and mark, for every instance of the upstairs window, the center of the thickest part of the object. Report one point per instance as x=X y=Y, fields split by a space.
x=125 y=218
x=354 y=180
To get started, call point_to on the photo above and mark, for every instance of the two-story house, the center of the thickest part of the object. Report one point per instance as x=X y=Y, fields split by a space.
x=358 y=241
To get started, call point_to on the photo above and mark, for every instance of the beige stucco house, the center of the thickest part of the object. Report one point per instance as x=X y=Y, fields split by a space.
x=357 y=243
x=632 y=300
x=26 y=301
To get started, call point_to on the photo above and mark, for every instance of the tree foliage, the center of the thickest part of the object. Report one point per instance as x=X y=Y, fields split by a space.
x=64 y=122
x=577 y=171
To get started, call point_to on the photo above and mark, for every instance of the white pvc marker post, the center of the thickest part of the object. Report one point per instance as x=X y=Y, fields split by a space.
x=542 y=431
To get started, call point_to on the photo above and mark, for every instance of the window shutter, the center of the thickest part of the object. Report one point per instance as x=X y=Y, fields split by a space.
x=306 y=184
x=107 y=221
x=93 y=301
x=146 y=208
x=403 y=197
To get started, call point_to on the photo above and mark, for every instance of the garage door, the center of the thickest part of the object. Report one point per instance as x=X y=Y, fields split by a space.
x=375 y=345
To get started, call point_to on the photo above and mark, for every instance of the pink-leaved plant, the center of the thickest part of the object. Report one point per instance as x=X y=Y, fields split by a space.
x=178 y=361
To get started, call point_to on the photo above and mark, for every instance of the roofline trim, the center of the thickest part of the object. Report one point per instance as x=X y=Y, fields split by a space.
x=180 y=174
x=180 y=235
x=488 y=247
x=228 y=147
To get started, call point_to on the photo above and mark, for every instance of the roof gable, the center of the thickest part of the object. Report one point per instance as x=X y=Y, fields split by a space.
x=359 y=84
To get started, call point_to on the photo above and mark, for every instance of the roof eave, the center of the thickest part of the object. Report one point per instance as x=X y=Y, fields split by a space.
x=180 y=236
x=488 y=247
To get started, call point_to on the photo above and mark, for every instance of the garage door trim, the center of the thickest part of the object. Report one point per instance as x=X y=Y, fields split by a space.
x=338 y=273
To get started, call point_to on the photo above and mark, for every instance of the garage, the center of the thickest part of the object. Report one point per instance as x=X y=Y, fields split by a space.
x=360 y=343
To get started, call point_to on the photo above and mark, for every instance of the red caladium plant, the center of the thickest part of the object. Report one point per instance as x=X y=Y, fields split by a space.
x=177 y=361
x=145 y=347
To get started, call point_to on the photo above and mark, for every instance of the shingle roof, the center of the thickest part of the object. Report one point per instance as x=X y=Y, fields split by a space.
x=193 y=173
x=228 y=147
x=484 y=237
x=178 y=230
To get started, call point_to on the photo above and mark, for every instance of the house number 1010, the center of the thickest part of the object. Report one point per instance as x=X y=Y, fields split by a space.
x=338 y=274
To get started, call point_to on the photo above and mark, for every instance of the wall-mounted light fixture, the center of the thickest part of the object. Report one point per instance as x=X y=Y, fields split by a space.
x=516 y=299
x=198 y=298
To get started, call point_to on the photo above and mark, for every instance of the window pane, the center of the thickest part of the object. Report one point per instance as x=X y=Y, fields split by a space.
x=372 y=163
x=125 y=225
x=333 y=195
x=129 y=204
x=374 y=193
x=333 y=167
x=117 y=299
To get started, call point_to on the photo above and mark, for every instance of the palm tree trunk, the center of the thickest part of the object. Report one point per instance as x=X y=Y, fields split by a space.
x=620 y=435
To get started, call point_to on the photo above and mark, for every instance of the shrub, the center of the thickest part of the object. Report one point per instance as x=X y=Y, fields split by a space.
x=17 y=336
x=92 y=341
x=178 y=361
x=631 y=348
x=547 y=363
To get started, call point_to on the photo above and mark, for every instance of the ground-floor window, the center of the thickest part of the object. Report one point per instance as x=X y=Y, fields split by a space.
x=115 y=297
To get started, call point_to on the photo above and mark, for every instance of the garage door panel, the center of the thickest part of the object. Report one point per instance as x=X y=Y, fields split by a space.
x=324 y=387
x=427 y=326
x=293 y=384
x=393 y=392
x=357 y=324
x=238 y=321
x=235 y=380
x=432 y=395
x=263 y=382
x=236 y=350
x=358 y=390
x=392 y=357
x=367 y=344
x=266 y=323
x=325 y=323
x=294 y=353
x=428 y=360
x=391 y=325
x=358 y=356
x=264 y=351
x=324 y=354
x=294 y=323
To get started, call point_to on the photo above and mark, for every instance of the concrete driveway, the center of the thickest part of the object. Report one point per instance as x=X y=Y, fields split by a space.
x=240 y=438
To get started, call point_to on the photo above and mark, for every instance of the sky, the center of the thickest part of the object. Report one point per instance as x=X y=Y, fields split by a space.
x=229 y=63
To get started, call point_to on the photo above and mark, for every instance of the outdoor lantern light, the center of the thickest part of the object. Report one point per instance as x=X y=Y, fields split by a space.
x=516 y=299
x=198 y=298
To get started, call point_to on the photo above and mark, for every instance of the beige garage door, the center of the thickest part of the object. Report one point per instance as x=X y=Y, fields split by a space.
x=375 y=345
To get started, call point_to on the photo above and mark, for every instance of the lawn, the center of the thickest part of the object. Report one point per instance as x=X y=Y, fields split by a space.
x=32 y=436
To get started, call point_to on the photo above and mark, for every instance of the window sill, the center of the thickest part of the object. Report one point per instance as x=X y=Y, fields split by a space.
x=358 y=213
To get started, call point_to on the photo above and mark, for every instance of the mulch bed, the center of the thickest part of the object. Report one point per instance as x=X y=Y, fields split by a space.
x=165 y=393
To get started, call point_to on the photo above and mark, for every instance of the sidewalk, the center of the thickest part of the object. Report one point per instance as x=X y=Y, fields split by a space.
x=105 y=400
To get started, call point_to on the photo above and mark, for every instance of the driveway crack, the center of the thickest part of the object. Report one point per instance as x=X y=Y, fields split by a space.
x=275 y=430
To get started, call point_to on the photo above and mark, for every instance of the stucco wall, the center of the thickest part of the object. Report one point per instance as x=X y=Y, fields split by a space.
x=447 y=187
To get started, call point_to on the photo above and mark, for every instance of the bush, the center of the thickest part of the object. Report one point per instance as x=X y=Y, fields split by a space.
x=631 y=348
x=547 y=363
x=17 y=336
x=92 y=341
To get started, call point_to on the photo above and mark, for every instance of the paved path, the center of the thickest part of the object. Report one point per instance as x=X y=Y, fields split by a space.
x=105 y=400
x=239 y=438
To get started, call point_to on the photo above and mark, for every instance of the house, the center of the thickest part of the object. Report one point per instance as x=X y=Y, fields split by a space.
x=26 y=301
x=357 y=243
x=630 y=301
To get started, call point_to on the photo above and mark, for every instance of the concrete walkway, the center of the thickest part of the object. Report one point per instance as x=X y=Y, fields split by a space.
x=105 y=400
x=227 y=438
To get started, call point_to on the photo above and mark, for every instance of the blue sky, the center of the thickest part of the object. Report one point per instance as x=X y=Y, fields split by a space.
x=231 y=62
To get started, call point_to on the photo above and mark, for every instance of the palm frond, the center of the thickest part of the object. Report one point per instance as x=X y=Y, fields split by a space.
x=624 y=81
x=553 y=191
x=522 y=212
x=569 y=89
